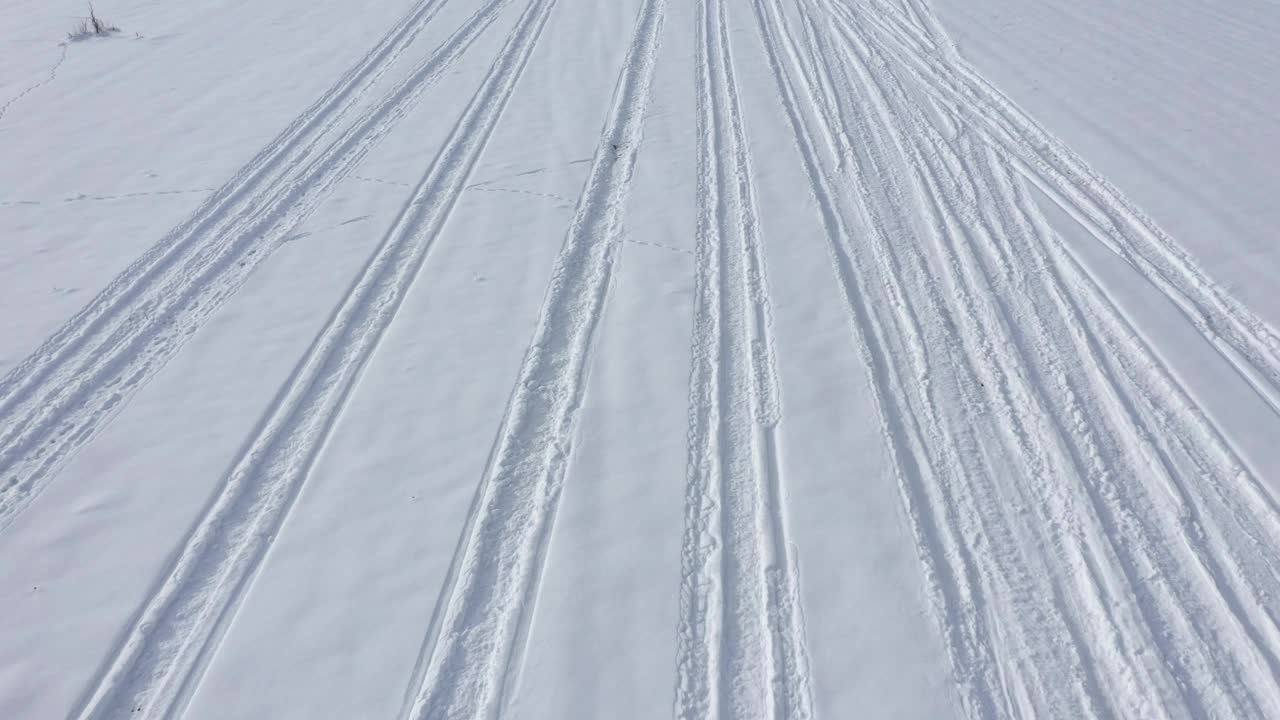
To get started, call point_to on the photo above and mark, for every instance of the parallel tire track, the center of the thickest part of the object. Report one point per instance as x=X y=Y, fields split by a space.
x=1243 y=339
x=949 y=573
x=1134 y=514
x=1071 y=518
x=162 y=656
x=470 y=657
x=741 y=651
x=1190 y=598
x=63 y=394
x=1255 y=501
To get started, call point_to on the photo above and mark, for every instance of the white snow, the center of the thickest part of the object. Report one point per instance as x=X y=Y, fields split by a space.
x=713 y=359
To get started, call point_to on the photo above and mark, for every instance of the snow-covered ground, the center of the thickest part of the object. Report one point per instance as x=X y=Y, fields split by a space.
x=710 y=359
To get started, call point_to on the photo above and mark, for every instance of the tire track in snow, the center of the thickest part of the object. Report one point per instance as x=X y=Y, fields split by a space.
x=1210 y=624
x=1047 y=605
x=999 y=365
x=741 y=651
x=963 y=480
x=1229 y=549
x=471 y=654
x=1221 y=517
x=64 y=393
x=1207 y=560
x=1179 y=604
x=162 y=656
x=1243 y=340
x=949 y=572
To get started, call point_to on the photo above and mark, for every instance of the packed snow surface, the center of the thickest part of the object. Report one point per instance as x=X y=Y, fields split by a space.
x=554 y=359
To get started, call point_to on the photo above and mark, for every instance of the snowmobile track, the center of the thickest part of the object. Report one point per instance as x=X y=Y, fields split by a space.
x=940 y=312
x=741 y=647
x=56 y=400
x=1242 y=339
x=471 y=654
x=159 y=662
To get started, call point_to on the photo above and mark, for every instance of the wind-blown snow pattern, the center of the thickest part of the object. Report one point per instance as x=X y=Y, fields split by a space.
x=930 y=408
